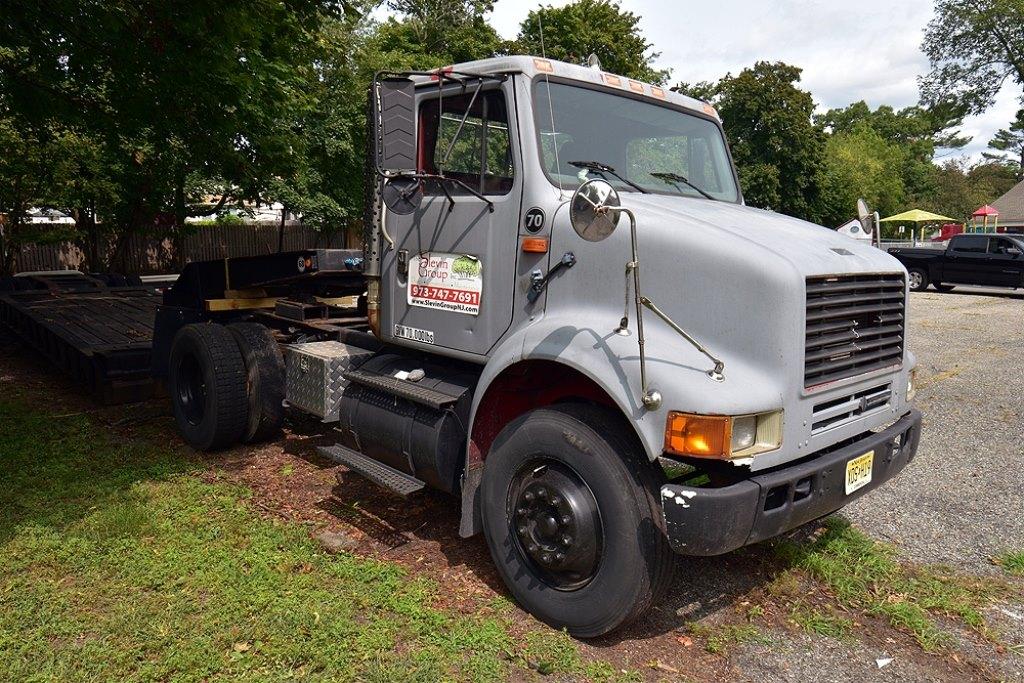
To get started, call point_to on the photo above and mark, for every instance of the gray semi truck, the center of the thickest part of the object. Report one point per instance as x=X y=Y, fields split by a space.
x=565 y=317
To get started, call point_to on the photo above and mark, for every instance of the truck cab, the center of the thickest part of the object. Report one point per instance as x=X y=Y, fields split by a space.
x=575 y=326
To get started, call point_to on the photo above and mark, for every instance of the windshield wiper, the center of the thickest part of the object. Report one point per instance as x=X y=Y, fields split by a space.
x=675 y=179
x=606 y=170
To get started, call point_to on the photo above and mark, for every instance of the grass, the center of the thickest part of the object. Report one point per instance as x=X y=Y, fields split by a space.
x=1012 y=563
x=865 y=574
x=118 y=562
x=718 y=639
x=822 y=623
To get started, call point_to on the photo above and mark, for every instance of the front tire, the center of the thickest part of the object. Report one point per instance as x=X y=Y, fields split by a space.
x=571 y=514
x=917 y=279
x=206 y=381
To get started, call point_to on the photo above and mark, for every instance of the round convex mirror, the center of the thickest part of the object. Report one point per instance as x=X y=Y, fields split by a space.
x=587 y=211
x=402 y=194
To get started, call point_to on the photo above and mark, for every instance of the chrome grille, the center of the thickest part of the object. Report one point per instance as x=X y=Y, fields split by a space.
x=839 y=411
x=855 y=324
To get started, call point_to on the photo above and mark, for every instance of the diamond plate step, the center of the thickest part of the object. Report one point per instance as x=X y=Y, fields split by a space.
x=401 y=388
x=383 y=475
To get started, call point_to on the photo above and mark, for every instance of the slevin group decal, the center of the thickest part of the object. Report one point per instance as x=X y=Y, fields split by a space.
x=447 y=282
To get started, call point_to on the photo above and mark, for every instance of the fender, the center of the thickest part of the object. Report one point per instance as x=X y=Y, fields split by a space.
x=609 y=363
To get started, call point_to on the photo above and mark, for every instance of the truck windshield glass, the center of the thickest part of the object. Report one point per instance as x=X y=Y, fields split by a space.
x=634 y=137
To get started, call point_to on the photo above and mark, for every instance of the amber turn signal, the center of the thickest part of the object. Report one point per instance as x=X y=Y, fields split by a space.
x=535 y=245
x=703 y=436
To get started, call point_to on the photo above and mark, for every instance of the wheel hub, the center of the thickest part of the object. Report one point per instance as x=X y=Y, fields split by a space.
x=556 y=523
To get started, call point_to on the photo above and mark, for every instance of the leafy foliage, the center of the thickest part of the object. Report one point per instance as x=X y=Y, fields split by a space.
x=777 y=148
x=575 y=31
x=1011 y=141
x=974 y=47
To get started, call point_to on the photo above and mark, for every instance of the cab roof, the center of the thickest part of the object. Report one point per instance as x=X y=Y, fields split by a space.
x=532 y=67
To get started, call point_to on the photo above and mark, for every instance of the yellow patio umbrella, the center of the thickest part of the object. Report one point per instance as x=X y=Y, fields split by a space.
x=917 y=217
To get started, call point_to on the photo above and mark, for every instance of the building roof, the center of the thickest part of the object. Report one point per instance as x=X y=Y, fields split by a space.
x=1011 y=206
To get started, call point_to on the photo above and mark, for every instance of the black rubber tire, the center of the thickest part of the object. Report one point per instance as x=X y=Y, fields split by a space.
x=636 y=564
x=939 y=287
x=922 y=283
x=213 y=352
x=264 y=368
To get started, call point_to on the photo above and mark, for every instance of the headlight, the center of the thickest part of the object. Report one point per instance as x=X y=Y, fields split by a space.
x=911 y=384
x=722 y=436
x=744 y=432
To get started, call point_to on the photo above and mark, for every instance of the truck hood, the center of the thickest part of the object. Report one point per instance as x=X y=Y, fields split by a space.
x=810 y=249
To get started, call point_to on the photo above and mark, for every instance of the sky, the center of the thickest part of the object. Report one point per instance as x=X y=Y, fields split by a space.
x=868 y=50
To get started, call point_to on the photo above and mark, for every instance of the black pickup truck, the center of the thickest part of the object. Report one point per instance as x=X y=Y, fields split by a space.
x=990 y=260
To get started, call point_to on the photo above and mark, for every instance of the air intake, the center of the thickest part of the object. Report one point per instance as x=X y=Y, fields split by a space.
x=855 y=324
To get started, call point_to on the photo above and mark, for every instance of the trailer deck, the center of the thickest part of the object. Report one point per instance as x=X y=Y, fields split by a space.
x=100 y=335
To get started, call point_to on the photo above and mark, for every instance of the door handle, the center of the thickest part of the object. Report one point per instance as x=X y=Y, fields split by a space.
x=538 y=280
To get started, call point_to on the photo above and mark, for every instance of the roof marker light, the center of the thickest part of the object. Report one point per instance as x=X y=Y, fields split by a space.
x=612 y=79
x=636 y=86
x=543 y=65
x=709 y=110
x=658 y=92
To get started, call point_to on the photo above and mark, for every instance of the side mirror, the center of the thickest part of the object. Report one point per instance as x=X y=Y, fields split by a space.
x=587 y=210
x=402 y=194
x=394 y=123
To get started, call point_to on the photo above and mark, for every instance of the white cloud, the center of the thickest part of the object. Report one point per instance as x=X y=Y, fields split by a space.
x=869 y=50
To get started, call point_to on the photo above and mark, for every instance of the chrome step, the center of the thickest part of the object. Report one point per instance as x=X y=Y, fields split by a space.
x=383 y=475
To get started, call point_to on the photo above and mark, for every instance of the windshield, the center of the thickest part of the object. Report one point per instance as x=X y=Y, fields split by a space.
x=634 y=137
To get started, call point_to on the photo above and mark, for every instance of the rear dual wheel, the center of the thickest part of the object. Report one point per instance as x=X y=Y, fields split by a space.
x=570 y=512
x=226 y=384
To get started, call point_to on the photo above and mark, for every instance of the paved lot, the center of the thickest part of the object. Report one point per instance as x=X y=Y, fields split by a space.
x=962 y=500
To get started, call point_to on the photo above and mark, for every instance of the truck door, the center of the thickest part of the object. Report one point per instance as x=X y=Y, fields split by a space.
x=1005 y=266
x=448 y=282
x=965 y=260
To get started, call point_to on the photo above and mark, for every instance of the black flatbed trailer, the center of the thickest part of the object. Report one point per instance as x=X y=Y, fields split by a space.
x=102 y=329
x=101 y=335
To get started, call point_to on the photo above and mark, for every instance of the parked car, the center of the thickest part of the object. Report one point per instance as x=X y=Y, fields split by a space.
x=990 y=260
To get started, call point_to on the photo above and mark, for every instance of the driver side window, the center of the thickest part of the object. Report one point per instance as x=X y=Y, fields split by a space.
x=476 y=151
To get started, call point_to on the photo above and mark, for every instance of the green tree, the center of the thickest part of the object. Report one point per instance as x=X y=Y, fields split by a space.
x=169 y=90
x=433 y=33
x=917 y=131
x=1011 y=141
x=575 y=31
x=961 y=187
x=974 y=47
x=861 y=163
x=778 y=150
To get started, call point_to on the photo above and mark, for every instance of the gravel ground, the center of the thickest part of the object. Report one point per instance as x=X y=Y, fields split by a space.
x=961 y=501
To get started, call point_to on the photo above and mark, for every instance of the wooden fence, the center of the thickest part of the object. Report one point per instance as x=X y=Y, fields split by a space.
x=152 y=256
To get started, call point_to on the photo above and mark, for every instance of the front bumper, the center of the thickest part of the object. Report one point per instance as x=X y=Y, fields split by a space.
x=712 y=521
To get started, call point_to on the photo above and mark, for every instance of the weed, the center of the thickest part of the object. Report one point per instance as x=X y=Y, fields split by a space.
x=1012 y=563
x=866 y=574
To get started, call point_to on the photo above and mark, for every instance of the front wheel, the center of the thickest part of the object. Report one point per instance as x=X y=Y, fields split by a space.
x=571 y=515
x=917 y=279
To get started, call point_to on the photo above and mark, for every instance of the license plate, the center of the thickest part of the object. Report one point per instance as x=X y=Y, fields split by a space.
x=858 y=471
